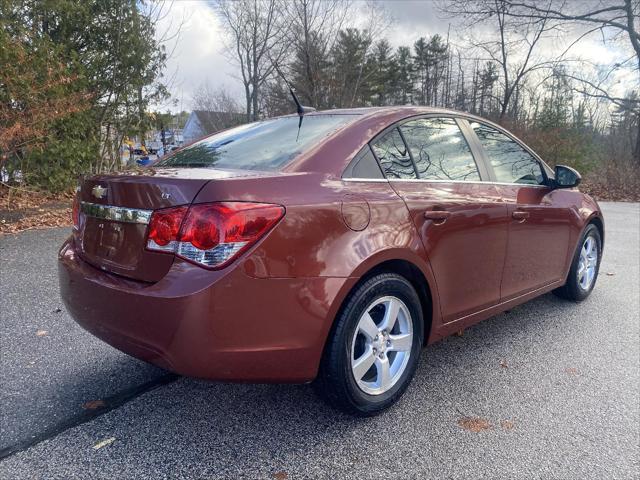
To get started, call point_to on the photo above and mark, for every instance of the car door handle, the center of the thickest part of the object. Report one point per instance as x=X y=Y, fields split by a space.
x=520 y=215
x=438 y=216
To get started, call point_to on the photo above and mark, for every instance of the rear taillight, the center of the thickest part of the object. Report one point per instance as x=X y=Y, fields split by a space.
x=75 y=211
x=211 y=234
x=164 y=228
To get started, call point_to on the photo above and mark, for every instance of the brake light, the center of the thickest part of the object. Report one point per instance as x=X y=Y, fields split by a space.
x=164 y=228
x=211 y=234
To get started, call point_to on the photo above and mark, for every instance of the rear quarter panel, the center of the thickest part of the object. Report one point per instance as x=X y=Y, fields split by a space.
x=332 y=229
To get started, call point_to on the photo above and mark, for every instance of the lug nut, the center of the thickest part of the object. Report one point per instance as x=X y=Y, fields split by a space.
x=381 y=355
x=376 y=337
x=375 y=351
x=388 y=343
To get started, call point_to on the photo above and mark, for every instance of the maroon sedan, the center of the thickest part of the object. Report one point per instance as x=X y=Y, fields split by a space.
x=331 y=250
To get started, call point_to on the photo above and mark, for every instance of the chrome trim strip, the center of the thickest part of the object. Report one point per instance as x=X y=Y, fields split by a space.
x=378 y=180
x=116 y=214
x=424 y=180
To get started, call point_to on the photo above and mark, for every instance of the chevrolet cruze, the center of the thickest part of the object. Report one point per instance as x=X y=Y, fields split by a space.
x=327 y=248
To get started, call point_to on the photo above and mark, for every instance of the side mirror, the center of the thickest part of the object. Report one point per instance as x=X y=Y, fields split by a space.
x=566 y=177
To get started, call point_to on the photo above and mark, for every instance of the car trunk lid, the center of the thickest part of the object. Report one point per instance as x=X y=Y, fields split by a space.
x=115 y=211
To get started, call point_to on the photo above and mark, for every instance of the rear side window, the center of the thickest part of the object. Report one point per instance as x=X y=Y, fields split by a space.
x=364 y=165
x=393 y=155
x=268 y=145
x=439 y=149
x=510 y=161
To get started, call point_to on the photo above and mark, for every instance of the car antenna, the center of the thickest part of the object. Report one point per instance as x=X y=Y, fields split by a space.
x=301 y=109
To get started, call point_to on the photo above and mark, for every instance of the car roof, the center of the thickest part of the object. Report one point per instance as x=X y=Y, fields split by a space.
x=395 y=109
x=330 y=154
x=392 y=114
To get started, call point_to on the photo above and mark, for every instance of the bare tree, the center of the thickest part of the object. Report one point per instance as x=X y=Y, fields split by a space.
x=612 y=20
x=313 y=28
x=622 y=17
x=376 y=21
x=217 y=108
x=516 y=48
x=212 y=99
x=256 y=39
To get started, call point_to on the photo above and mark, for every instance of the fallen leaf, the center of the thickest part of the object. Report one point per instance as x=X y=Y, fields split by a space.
x=104 y=443
x=57 y=310
x=41 y=333
x=572 y=371
x=93 y=404
x=459 y=333
x=503 y=364
x=280 y=475
x=474 y=424
x=507 y=424
x=29 y=210
x=610 y=274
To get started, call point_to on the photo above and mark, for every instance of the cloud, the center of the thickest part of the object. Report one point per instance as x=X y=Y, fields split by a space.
x=198 y=52
x=414 y=19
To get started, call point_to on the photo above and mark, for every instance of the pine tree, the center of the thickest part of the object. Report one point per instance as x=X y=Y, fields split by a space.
x=404 y=76
x=349 y=59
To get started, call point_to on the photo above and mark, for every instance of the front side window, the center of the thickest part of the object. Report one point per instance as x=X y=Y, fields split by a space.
x=439 y=149
x=268 y=145
x=393 y=155
x=510 y=161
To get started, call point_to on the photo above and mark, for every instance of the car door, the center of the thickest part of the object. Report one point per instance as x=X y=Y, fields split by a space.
x=461 y=220
x=540 y=225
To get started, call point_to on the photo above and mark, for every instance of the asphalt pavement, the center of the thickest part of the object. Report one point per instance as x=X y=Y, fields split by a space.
x=50 y=367
x=549 y=390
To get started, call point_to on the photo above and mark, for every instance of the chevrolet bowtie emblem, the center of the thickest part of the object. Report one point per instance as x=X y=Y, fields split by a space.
x=99 y=191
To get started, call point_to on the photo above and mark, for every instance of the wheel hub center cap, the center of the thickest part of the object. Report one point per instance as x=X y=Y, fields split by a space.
x=380 y=344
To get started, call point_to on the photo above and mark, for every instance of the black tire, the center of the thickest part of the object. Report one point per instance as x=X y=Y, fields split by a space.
x=572 y=290
x=336 y=383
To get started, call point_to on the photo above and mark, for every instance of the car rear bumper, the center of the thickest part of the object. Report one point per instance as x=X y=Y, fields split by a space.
x=222 y=325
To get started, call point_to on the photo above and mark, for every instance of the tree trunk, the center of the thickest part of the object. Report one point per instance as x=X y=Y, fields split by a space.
x=636 y=151
x=247 y=96
x=505 y=103
x=255 y=102
x=313 y=98
x=142 y=129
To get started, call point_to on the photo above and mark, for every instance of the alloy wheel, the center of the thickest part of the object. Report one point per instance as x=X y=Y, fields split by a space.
x=588 y=263
x=381 y=345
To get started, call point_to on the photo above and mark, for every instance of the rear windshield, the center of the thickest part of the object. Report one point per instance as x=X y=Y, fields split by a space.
x=266 y=145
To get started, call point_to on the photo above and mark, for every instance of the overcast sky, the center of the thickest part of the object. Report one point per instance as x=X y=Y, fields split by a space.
x=198 y=53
